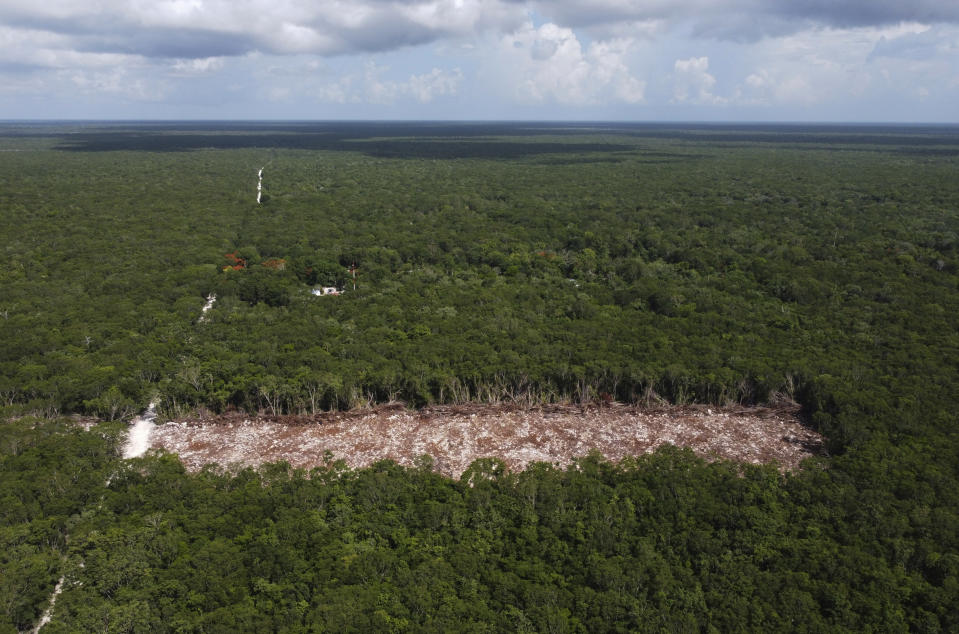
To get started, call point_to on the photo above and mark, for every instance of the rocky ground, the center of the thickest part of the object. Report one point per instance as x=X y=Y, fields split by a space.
x=456 y=435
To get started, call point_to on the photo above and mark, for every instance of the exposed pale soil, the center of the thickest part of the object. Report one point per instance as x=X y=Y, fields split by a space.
x=456 y=435
x=138 y=439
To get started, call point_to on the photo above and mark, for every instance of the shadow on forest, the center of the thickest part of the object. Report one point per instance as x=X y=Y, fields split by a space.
x=797 y=135
x=380 y=148
x=636 y=156
x=442 y=140
x=393 y=140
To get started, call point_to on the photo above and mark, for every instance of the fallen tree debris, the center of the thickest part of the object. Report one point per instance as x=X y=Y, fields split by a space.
x=455 y=436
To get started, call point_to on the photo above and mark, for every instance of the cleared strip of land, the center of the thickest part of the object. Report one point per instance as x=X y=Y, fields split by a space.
x=456 y=435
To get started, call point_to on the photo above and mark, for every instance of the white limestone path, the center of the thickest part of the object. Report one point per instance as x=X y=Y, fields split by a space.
x=138 y=440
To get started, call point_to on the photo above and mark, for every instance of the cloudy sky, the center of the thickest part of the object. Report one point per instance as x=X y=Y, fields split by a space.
x=702 y=60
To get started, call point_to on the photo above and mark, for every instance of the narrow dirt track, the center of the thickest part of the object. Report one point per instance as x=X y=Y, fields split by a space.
x=456 y=435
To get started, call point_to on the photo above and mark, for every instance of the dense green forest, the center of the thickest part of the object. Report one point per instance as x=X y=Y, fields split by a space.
x=526 y=263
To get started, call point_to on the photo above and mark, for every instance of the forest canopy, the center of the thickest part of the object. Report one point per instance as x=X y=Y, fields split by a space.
x=526 y=263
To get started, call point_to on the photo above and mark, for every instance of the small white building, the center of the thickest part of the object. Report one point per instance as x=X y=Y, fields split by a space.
x=326 y=290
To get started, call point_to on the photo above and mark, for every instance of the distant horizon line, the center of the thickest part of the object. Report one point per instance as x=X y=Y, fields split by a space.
x=493 y=121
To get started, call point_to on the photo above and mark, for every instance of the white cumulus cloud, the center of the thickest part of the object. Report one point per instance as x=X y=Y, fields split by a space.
x=692 y=82
x=549 y=64
x=198 y=66
x=435 y=83
x=370 y=86
x=591 y=57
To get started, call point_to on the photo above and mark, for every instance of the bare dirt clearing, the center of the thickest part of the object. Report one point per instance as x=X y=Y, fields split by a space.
x=456 y=435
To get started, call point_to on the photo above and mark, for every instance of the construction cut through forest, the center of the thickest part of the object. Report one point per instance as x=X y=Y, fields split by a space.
x=456 y=435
